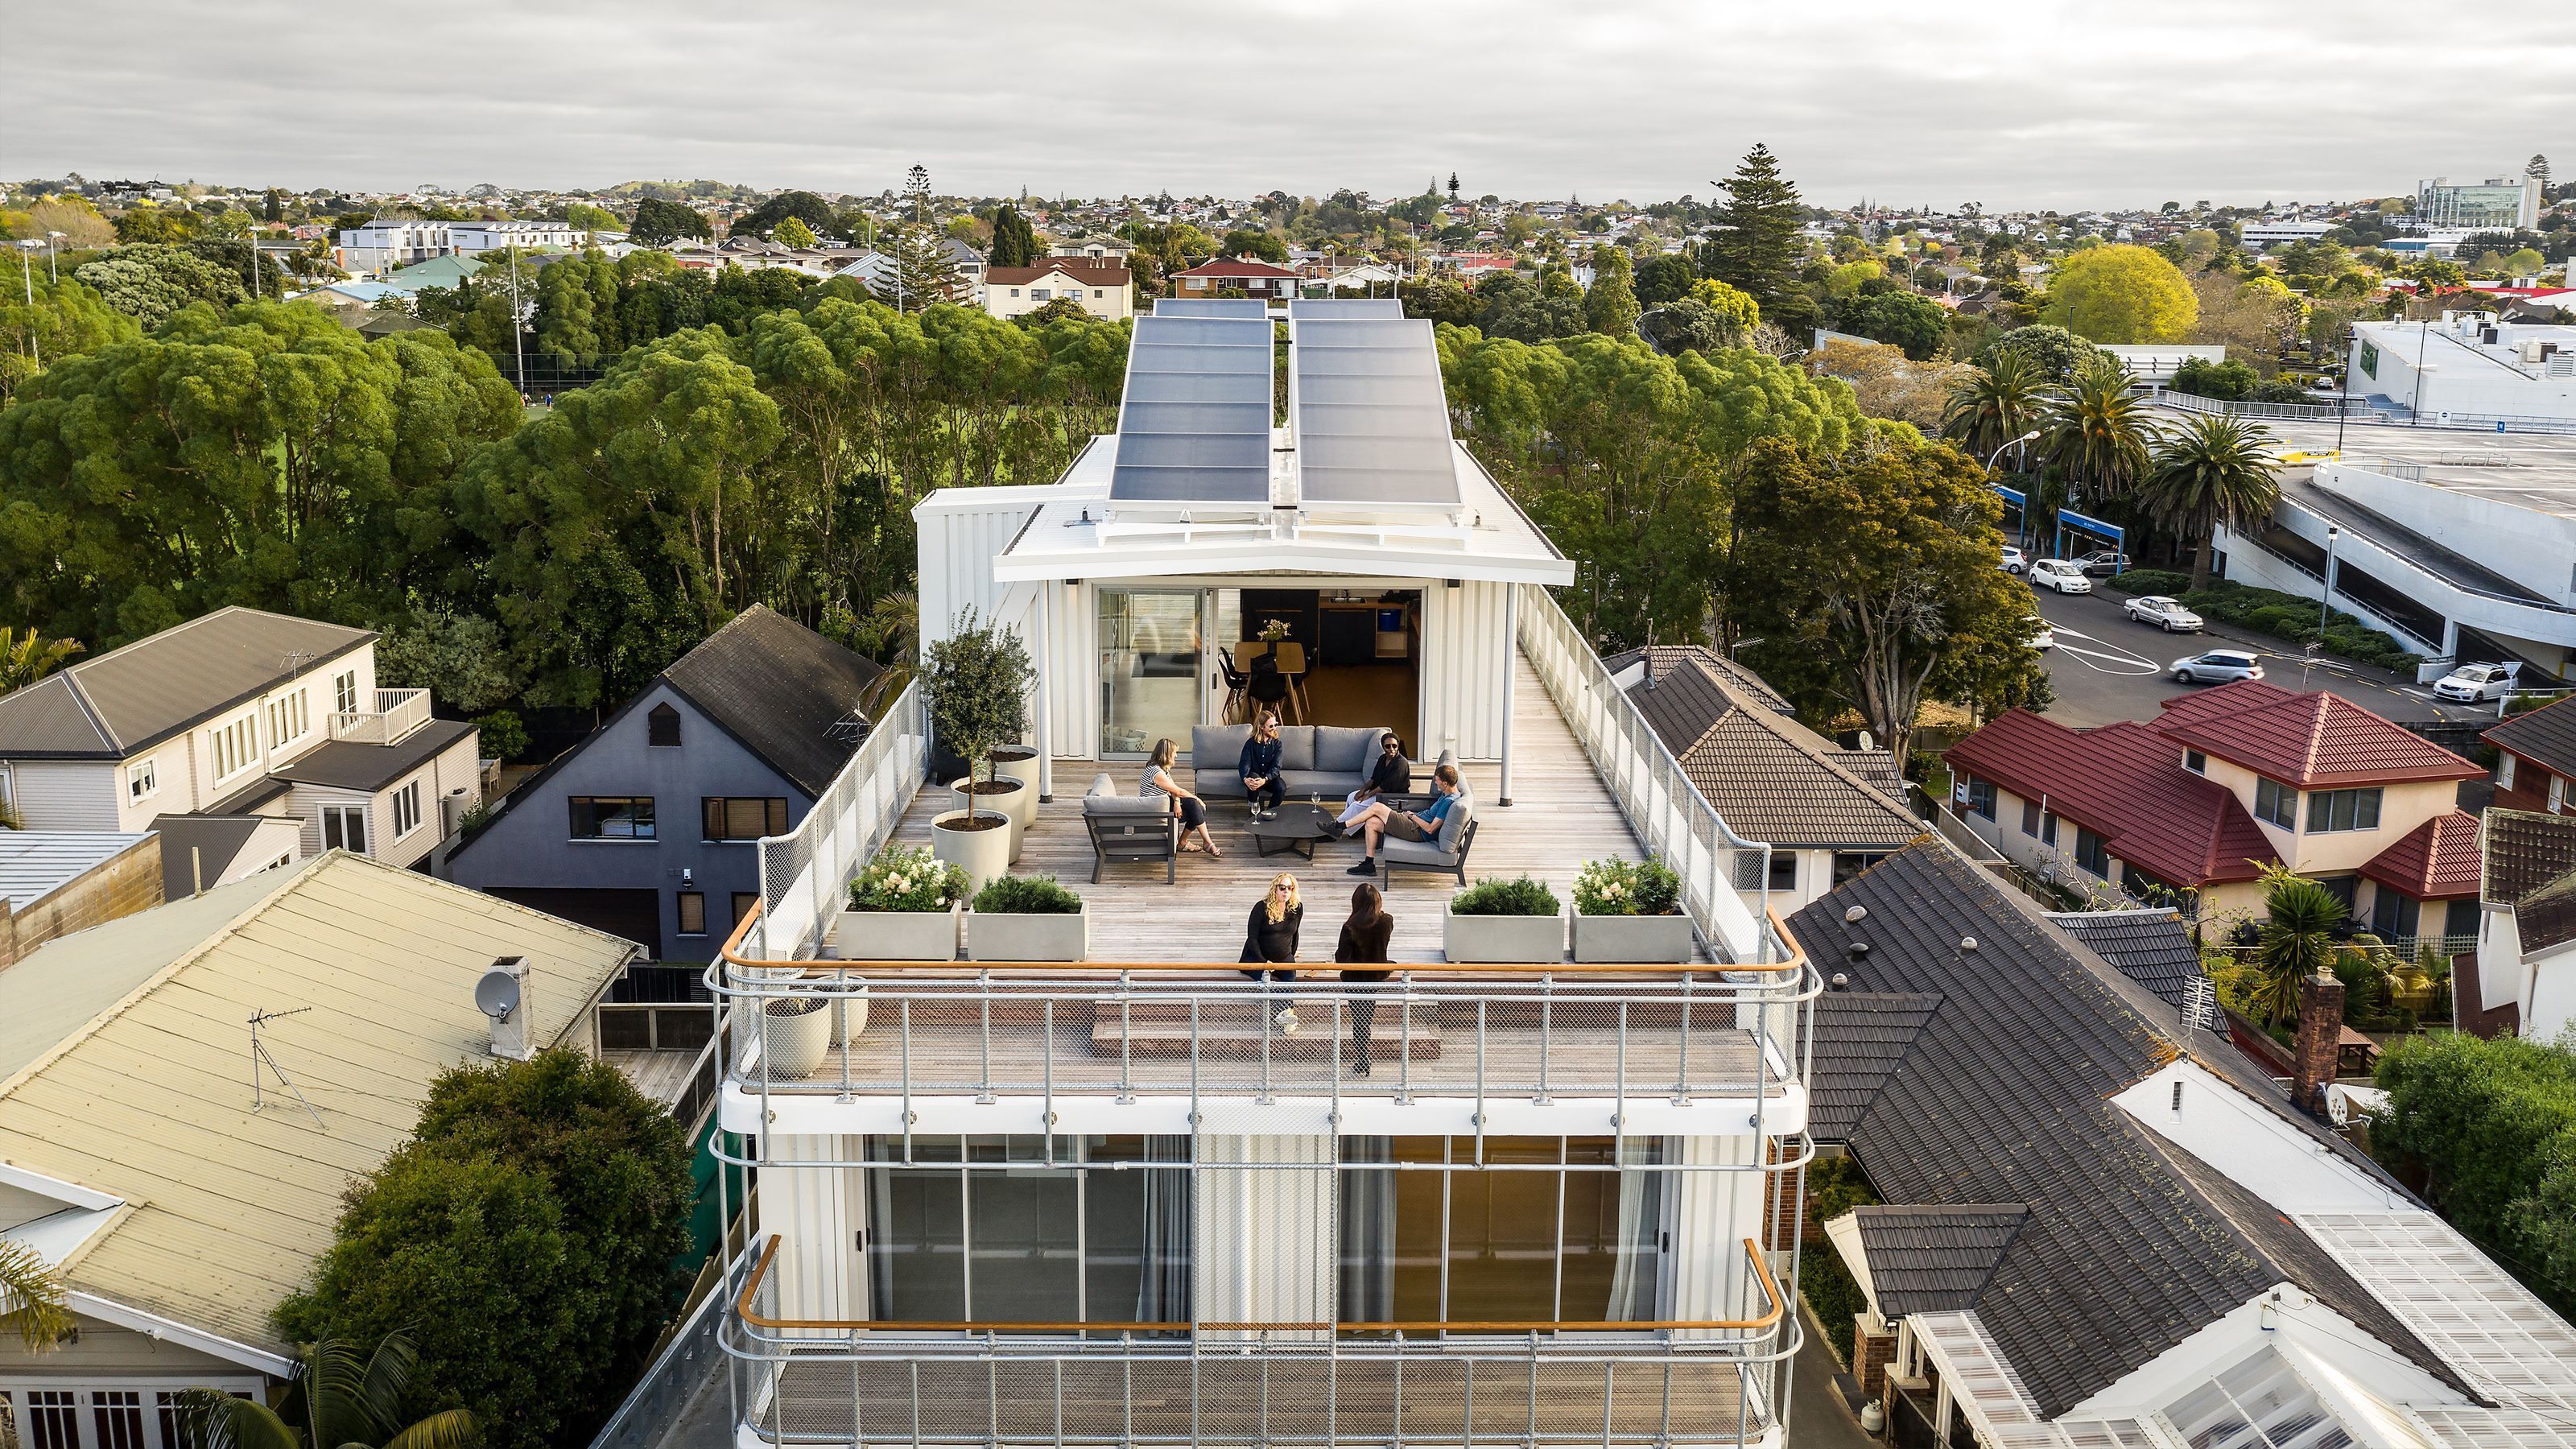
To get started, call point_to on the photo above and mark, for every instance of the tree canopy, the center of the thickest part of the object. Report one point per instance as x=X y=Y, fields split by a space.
x=660 y=223
x=2122 y=294
x=805 y=206
x=2491 y=1126
x=1015 y=242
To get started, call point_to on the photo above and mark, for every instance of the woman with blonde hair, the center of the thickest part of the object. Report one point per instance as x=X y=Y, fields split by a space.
x=1270 y=936
x=1185 y=804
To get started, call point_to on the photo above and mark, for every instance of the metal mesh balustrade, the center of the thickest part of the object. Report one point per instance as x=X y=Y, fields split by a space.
x=803 y=873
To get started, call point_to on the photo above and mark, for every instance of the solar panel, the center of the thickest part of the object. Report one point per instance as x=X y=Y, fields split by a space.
x=1379 y=307
x=1210 y=307
x=1194 y=425
x=1367 y=410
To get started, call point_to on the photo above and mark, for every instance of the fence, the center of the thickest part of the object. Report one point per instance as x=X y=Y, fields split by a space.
x=690 y=1361
x=803 y=872
x=2279 y=412
x=1665 y=810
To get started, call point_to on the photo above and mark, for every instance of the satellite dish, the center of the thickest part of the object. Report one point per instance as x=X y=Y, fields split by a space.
x=497 y=993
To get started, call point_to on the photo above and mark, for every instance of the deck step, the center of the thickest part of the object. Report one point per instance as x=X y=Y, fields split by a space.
x=1234 y=1033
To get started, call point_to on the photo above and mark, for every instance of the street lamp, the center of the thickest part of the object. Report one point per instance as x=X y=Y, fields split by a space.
x=52 y=272
x=27 y=277
x=2025 y=501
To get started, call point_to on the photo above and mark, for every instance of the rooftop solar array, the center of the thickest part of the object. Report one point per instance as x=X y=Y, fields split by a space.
x=1367 y=410
x=1305 y=307
x=1195 y=423
x=1210 y=307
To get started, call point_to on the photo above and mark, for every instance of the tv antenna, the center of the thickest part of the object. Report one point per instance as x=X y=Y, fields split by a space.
x=259 y=1057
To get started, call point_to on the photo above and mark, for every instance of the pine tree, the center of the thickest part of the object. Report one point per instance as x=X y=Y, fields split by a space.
x=922 y=272
x=1453 y=187
x=1015 y=242
x=1755 y=249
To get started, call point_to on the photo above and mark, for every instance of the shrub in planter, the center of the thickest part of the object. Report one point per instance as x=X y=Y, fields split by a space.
x=1494 y=896
x=903 y=907
x=1630 y=910
x=1027 y=918
x=1504 y=920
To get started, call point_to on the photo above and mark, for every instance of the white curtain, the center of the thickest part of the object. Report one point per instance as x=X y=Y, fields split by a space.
x=1264 y=1232
x=1636 y=1282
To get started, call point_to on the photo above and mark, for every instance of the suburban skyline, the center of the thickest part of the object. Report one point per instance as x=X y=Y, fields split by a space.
x=2037 y=105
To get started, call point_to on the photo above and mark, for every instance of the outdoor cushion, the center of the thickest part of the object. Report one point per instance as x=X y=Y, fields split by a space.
x=1345 y=751
x=1329 y=784
x=1101 y=784
x=1297 y=747
x=1454 y=822
x=1421 y=852
x=1216 y=755
x=1104 y=806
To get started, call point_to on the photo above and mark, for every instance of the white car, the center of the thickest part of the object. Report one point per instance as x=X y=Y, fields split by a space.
x=2166 y=614
x=2058 y=574
x=2041 y=636
x=2218 y=666
x=2476 y=683
x=2013 y=561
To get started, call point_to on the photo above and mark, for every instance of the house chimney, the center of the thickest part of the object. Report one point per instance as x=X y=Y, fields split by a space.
x=2319 y=1043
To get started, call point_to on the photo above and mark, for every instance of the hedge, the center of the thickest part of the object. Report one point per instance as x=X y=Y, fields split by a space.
x=2285 y=617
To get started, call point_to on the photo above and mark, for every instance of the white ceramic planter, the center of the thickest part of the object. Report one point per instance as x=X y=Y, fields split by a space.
x=1009 y=936
x=1514 y=939
x=897 y=935
x=1015 y=800
x=1660 y=940
x=798 y=1033
x=982 y=854
x=1018 y=762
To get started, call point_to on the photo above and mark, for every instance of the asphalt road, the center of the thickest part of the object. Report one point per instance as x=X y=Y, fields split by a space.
x=2109 y=667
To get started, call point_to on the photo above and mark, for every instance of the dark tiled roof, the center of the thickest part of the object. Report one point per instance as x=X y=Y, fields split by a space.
x=2004 y=1098
x=2152 y=948
x=2531 y=866
x=2434 y=861
x=786 y=692
x=1861 y=1036
x=2126 y=782
x=1935 y=1259
x=2314 y=741
x=131 y=698
x=1672 y=658
x=2544 y=736
x=345 y=765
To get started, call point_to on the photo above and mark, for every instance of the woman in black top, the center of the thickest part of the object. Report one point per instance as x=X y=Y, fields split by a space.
x=1391 y=774
x=1364 y=938
x=1270 y=934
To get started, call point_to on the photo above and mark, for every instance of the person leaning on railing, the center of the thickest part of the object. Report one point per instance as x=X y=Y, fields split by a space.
x=1364 y=938
x=1270 y=935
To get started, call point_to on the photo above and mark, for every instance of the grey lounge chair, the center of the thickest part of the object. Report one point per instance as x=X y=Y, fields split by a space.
x=1131 y=828
x=1445 y=854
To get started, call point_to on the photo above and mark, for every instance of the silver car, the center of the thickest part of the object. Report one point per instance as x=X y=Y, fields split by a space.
x=2166 y=614
x=2218 y=666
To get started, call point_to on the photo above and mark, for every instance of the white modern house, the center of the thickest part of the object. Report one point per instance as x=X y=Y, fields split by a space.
x=380 y=245
x=1117 y=1198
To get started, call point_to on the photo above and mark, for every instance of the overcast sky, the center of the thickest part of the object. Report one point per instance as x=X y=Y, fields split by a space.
x=2009 y=102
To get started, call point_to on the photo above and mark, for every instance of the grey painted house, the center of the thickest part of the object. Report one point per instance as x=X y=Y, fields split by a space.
x=647 y=828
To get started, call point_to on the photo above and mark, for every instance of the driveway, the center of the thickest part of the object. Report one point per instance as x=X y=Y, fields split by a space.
x=2109 y=667
x=1818 y=1418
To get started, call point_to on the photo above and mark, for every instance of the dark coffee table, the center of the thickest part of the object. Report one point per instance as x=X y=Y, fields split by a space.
x=1295 y=827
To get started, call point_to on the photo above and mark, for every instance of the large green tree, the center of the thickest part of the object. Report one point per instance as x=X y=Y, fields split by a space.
x=1610 y=303
x=64 y=319
x=1995 y=405
x=1015 y=242
x=1914 y=325
x=919 y=270
x=2122 y=294
x=1755 y=247
x=149 y=282
x=659 y=223
x=2491 y=1127
x=2095 y=434
x=2212 y=470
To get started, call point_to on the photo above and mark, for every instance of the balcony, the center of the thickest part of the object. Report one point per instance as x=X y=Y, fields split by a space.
x=394 y=714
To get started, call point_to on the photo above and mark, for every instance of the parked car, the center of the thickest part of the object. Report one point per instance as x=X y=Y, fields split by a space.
x=2476 y=683
x=2166 y=614
x=2103 y=564
x=2218 y=666
x=2013 y=561
x=2041 y=636
x=2058 y=574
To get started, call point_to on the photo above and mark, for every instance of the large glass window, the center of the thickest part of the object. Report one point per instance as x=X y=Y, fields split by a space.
x=1513 y=1241
x=603 y=817
x=1150 y=689
x=2343 y=810
x=2276 y=803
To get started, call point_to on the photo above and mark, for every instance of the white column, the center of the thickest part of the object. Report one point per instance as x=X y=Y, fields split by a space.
x=1264 y=1249
x=1043 y=653
x=1511 y=677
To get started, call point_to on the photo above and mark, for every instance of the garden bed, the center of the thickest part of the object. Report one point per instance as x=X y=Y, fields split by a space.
x=2286 y=617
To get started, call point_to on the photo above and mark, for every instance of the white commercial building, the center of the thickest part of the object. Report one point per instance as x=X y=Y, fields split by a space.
x=382 y=245
x=2466 y=369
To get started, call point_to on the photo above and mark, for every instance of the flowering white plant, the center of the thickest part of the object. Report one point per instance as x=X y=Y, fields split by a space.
x=907 y=879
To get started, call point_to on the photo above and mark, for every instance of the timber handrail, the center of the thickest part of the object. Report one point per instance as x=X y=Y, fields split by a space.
x=1793 y=962
x=1771 y=1315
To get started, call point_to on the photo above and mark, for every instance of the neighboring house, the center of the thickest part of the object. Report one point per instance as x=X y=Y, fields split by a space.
x=1110 y=249
x=1103 y=291
x=240 y=712
x=52 y=884
x=2524 y=977
x=647 y=829
x=970 y=266
x=2536 y=759
x=200 y=852
x=175 y=1182
x=1827 y=812
x=2102 y=1226
x=2189 y=808
x=449 y=271
x=1234 y=274
x=1363 y=277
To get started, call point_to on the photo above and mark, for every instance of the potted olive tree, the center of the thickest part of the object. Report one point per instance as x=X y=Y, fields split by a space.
x=1630 y=910
x=1504 y=920
x=1027 y=918
x=979 y=683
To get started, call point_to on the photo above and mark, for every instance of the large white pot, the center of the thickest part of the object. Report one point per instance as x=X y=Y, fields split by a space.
x=982 y=854
x=1010 y=936
x=1014 y=800
x=797 y=1034
x=1513 y=939
x=1657 y=940
x=1018 y=762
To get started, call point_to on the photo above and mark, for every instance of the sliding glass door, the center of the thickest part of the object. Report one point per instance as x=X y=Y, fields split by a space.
x=1150 y=665
x=1519 y=1240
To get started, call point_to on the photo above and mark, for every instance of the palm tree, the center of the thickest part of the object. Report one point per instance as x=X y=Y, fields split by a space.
x=2093 y=435
x=32 y=1307
x=1995 y=404
x=2213 y=470
x=28 y=658
x=333 y=1402
x=2296 y=942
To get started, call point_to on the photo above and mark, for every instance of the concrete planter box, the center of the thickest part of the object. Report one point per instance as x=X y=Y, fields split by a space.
x=1655 y=940
x=897 y=935
x=1512 y=939
x=1014 y=800
x=1008 y=936
x=982 y=854
x=798 y=1033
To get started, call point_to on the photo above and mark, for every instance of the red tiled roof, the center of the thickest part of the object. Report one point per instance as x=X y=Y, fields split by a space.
x=2312 y=741
x=1235 y=267
x=2125 y=782
x=2436 y=860
x=1092 y=274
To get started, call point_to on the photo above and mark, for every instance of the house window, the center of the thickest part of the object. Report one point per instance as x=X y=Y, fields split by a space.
x=1039 y=294
x=2089 y=853
x=2504 y=771
x=2460 y=917
x=142 y=779
x=118 y=1416
x=236 y=746
x=2369 y=359
x=1784 y=870
x=2557 y=793
x=2393 y=914
x=693 y=913
x=1015 y=291
x=2195 y=761
x=344 y=692
x=2048 y=828
x=2330 y=810
x=1980 y=795
x=611 y=817
x=344 y=827
x=287 y=719
x=1849 y=863
x=406 y=810
x=744 y=817
x=1097 y=292
x=2276 y=803
x=2153 y=889
x=53 y=1419
x=2030 y=817
x=662 y=726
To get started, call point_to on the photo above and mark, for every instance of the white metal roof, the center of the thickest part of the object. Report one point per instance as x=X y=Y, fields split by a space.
x=36 y=863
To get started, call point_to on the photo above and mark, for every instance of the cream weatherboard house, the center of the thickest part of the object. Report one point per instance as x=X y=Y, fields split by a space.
x=239 y=714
